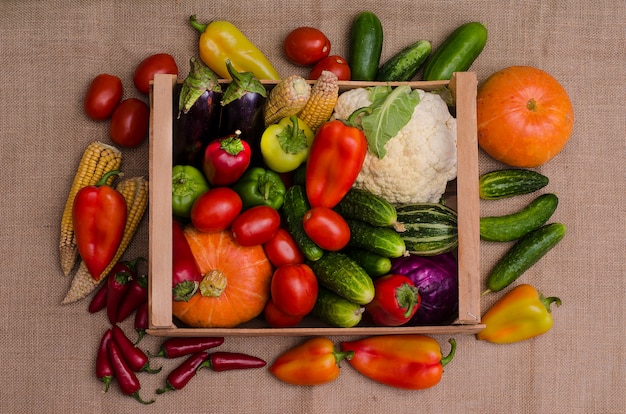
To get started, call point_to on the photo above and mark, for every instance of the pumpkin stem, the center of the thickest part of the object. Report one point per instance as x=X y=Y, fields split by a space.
x=531 y=105
x=213 y=283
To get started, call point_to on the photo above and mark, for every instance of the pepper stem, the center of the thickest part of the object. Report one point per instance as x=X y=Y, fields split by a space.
x=407 y=297
x=105 y=177
x=549 y=301
x=193 y=21
x=341 y=355
x=138 y=398
x=445 y=360
x=232 y=144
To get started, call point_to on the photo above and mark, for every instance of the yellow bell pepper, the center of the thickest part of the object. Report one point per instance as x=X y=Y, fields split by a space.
x=521 y=314
x=221 y=40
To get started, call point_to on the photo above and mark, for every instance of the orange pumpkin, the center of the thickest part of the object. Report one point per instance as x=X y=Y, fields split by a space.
x=524 y=116
x=235 y=285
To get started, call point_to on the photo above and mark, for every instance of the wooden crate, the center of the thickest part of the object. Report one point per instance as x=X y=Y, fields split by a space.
x=463 y=192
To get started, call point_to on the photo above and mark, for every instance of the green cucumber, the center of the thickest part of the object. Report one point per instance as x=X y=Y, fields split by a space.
x=457 y=52
x=404 y=65
x=365 y=47
x=384 y=241
x=336 y=310
x=430 y=228
x=294 y=207
x=374 y=264
x=342 y=275
x=365 y=206
x=500 y=184
x=525 y=252
x=513 y=226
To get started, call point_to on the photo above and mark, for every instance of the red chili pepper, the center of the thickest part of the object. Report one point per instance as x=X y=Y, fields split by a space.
x=117 y=285
x=104 y=370
x=227 y=361
x=186 y=274
x=99 y=216
x=313 y=362
x=126 y=378
x=99 y=300
x=141 y=321
x=136 y=294
x=182 y=374
x=226 y=159
x=136 y=359
x=177 y=347
x=403 y=361
x=395 y=302
x=334 y=162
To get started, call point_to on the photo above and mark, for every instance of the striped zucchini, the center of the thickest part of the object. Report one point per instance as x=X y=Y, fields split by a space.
x=431 y=228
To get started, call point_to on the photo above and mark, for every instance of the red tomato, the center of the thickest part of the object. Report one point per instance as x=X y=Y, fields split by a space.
x=326 y=228
x=277 y=318
x=103 y=96
x=215 y=210
x=159 y=63
x=294 y=289
x=336 y=64
x=256 y=225
x=282 y=249
x=130 y=123
x=306 y=46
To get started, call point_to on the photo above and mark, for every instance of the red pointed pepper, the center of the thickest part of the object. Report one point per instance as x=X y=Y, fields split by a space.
x=99 y=216
x=395 y=302
x=410 y=362
x=99 y=300
x=335 y=160
x=118 y=282
x=141 y=321
x=226 y=159
x=182 y=374
x=136 y=359
x=126 y=378
x=104 y=369
x=186 y=274
x=177 y=347
x=228 y=361
x=136 y=294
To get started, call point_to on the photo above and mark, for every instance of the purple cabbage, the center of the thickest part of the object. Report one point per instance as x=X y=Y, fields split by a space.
x=436 y=277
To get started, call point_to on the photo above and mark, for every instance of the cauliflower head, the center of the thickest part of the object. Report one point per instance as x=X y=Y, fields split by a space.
x=420 y=159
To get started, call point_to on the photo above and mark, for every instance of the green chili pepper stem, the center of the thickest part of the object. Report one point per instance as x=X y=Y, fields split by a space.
x=106 y=176
x=445 y=360
x=351 y=121
x=549 y=301
x=193 y=20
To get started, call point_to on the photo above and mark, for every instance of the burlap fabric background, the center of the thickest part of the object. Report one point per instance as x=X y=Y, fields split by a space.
x=50 y=50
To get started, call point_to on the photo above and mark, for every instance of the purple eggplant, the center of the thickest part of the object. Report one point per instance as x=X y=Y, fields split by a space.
x=242 y=109
x=198 y=118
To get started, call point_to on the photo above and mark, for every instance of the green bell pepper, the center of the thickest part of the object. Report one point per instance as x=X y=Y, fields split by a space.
x=188 y=183
x=259 y=186
x=285 y=145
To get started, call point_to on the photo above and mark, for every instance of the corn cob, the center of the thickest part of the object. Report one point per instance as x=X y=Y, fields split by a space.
x=287 y=98
x=135 y=192
x=321 y=104
x=98 y=159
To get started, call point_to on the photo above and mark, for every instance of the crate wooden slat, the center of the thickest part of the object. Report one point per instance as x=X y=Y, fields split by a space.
x=463 y=194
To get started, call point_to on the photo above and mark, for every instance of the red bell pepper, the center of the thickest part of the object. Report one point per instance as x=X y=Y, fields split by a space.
x=226 y=159
x=313 y=362
x=410 y=362
x=99 y=216
x=186 y=274
x=335 y=160
x=396 y=300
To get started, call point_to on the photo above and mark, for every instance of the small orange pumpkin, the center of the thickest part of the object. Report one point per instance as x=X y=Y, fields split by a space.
x=235 y=285
x=524 y=116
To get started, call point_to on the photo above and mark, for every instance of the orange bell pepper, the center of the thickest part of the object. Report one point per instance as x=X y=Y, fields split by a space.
x=313 y=362
x=521 y=314
x=411 y=362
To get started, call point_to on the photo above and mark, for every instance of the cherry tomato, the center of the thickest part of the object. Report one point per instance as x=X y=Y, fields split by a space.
x=256 y=225
x=282 y=249
x=159 y=63
x=103 y=96
x=277 y=318
x=294 y=289
x=336 y=64
x=306 y=46
x=326 y=228
x=130 y=123
x=215 y=210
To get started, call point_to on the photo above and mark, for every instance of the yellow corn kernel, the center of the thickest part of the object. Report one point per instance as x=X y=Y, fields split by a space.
x=287 y=98
x=321 y=104
x=135 y=192
x=97 y=159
